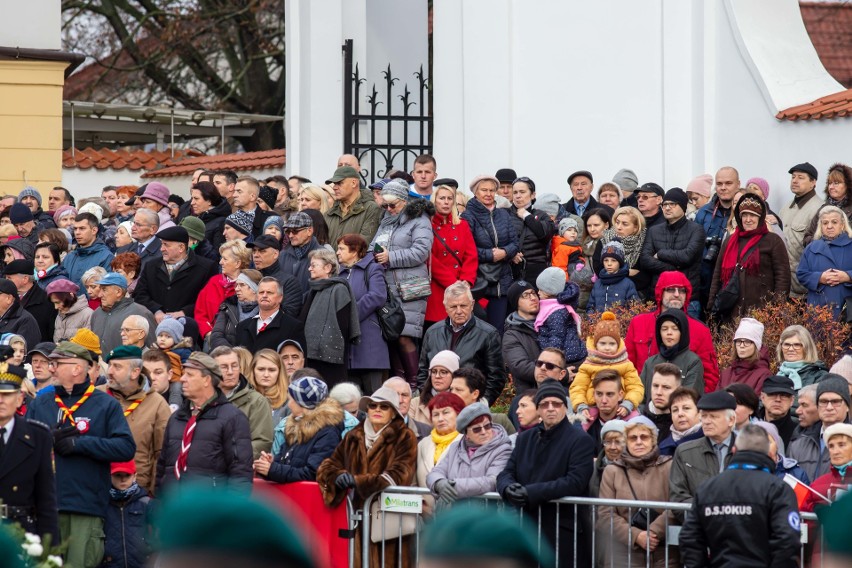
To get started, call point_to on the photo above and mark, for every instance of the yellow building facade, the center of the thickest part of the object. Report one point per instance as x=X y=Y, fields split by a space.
x=30 y=124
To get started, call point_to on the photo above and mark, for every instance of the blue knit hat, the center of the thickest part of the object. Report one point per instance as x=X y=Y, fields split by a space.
x=274 y=220
x=20 y=213
x=614 y=250
x=172 y=326
x=30 y=191
x=308 y=392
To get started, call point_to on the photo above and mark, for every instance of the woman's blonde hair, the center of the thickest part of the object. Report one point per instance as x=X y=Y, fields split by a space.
x=829 y=210
x=454 y=212
x=809 y=347
x=244 y=356
x=316 y=192
x=635 y=214
x=239 y=250
x=277 y=393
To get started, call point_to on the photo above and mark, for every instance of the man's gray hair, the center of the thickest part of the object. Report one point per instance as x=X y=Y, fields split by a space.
x=809 y=391
x=458 y=290
x=752 y=437
x=268 y=279
x=396 y=380
x=345 y=393
x=149 y=217
x=141 y=323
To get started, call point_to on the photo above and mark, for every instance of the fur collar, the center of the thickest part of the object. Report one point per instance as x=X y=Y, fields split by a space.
x=327 y=413
x=416 y=207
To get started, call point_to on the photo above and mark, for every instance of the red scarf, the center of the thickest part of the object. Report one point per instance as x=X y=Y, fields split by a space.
x=185 y=443
x=733 y=255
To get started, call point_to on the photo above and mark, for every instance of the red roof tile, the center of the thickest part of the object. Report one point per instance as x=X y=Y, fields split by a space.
x=134 y=160
x=829 y=25
x=832 y=106
x=265 y=160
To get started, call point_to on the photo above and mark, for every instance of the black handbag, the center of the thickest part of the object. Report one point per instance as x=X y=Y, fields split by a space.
x=391 y=317
x=642 y=518
x=487 y=275
x=729 y=295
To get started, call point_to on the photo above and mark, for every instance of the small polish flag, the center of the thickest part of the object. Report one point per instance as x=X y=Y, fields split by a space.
x=801 y=490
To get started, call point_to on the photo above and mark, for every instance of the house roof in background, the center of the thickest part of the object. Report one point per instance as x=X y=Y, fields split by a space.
x=134 y=160
x=264 y=160
x=829 y=25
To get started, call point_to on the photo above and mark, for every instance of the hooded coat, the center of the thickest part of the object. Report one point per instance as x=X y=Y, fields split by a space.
x=473 y=474
x=691 y=369
x=79 y=260
x=751 y=373
x=407 y=238
x=492 y=228
x=583 y=393
x=641 y=339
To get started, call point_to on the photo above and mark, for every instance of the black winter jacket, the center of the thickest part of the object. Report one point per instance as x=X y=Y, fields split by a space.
x=478 y=346
x=746 y=516
x=294 y=294
x=126 y=529
x=42 y=309
x=214 y=222
x=534 y=234
x=493 y=229
x=19 y=321
x=221 y=452
x=678 y=246
x=520 y=351
x=157 y=292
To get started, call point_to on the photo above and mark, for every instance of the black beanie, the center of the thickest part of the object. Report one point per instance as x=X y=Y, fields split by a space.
x=677 y=195
x=551 y=389
x=514 y=293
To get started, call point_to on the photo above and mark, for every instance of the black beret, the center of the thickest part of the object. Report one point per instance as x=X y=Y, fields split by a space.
x=22 y=266
x=174 y=234
x=719 y=400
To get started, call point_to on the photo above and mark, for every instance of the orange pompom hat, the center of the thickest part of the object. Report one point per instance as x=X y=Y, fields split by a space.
x=608 y=326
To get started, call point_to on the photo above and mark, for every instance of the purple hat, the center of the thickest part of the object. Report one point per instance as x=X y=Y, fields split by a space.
x=762 y=184
x=157 y=192
x=63 y=211
x=62 y=285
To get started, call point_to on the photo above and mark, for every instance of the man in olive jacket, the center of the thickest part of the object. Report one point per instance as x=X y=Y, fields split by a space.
x=354 y=211
x=702 y=459
x=242 y=395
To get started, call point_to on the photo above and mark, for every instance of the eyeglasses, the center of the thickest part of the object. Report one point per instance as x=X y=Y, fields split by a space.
x=57 y=363
x=613 y=443
x=668 y=204
x=791 y=346
x=742 y=342
x=548 y=365
x=483 y=428
x=529 y=295
x=129 y=329
x=441 y=372
x=382 y=407
x=551 y=404
x=825 y=403
x=294 y=231
x=645 y=196
x=676 y=290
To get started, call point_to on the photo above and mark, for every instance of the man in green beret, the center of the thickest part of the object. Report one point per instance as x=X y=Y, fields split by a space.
x=146 y=411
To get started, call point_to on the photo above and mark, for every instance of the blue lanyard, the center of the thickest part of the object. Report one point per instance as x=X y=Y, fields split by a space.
x=747 y=467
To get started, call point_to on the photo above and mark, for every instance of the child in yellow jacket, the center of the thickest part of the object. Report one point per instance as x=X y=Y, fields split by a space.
x=606 y=351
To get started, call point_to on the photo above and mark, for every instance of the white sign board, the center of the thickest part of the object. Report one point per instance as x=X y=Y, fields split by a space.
x=401 y=503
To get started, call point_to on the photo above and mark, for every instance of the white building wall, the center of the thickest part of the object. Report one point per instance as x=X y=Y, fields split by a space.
x=31 y=24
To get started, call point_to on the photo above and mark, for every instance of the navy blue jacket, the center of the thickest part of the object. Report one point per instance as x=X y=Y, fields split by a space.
x=668 y=445
x=611 y=289
x=126 y=529
x=300 y=462
x=493 y=229
x=82 y=478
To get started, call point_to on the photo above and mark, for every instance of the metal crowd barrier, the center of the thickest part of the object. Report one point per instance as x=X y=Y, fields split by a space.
x=391 y=519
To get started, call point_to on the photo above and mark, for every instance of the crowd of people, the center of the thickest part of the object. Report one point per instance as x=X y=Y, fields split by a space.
x=285 y=330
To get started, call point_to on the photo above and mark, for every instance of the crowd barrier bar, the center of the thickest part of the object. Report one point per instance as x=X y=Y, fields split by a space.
x=672 y=531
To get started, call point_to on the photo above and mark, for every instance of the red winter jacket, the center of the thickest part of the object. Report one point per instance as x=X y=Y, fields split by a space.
x=209 y=300
x=641 y=338
x=446 y=270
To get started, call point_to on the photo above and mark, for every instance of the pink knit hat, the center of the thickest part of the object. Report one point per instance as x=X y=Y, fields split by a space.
x=701 y=185
x=752 y=330
x=762 y=184
x=157 y=192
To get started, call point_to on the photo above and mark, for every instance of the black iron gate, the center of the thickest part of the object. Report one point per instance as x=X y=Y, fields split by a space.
x=390 y=137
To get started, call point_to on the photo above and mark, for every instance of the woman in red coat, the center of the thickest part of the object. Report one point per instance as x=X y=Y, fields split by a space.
x=234 y=258
x=453 y=251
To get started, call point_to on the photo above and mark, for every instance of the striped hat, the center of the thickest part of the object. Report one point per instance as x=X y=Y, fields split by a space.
x=308 y=392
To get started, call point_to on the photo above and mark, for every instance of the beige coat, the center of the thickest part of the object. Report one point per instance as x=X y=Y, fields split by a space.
x=797 y=218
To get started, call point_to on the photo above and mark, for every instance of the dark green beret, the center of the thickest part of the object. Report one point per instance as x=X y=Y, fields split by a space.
x=472 y=531
x=835 y=526
x=124 y=352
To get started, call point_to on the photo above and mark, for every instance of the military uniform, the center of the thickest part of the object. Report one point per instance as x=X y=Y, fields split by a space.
x=27 y=481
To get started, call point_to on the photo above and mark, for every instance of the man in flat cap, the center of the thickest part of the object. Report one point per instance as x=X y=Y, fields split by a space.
x=27 y=482
x=702 y=459
x=171 y=285
x=89 y=433
x=147 y=412
x=797 y=217
x=354 y=211
x=294 y=259
x=581 y=184
x=208 y=440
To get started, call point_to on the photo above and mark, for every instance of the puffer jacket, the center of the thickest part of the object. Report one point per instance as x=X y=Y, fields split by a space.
x=674 y=246
x=534 y=233
x=751 y=373
x=308 y=441
x=126 y=529
x=79 y=316
x=79 y=260
x=407 y=237
x=493 y=229
x=611 y=289
x=845 y=203
x=520 y=351
x=581 y=390
x=818 y=257
x=641 y=339
x=474 y=474
x=478 y=346
x=560 y=329
x=221 y=451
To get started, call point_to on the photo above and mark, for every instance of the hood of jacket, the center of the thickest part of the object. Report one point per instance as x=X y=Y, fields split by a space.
x=77 y=306
x=679 y=317
x=516 y=321
x=300 y=430
x=672 y=278
x=416 y=208
x=96 y=247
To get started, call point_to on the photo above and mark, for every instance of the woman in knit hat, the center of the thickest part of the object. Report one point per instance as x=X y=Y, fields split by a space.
x=754 y=255
x=613 y=285
x=64 y=216
x=827 y=488
x=606 y=351
x=444 y=408
x=72 y=311
x=672 y=330
x=240 y=306
x=441 y=369
x=311 y=433
x=614 y=441
x=402 y=244
x=698 y=193
x=750 y=364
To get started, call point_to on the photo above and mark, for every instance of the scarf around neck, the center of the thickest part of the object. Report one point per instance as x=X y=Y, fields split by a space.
x=677 y=435
x=442 y=442
x=640 y=462
x=733 y=255
x=632 y=245
x=841 y=469
x=791 y=371
x=370 y=434
x=123 y=494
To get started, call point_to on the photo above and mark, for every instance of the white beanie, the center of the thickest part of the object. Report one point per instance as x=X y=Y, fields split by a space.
x=447 y=359
x=752 y=330
x=843 y=367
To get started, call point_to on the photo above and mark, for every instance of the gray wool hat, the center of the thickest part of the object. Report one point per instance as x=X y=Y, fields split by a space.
x=568 y=223
x=551 y=280
x=626 y=179
x=469 y=414
x=548 y=204
x=833 y=383
x=397 y=188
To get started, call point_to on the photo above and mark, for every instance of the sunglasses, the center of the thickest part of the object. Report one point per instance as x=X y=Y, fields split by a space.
x=382 y=407
x=387 y=206
x=548 y=365
x=551 y=404
x=484 y=428
x=294 y=231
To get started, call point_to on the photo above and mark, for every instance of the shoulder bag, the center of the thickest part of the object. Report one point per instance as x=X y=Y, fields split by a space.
x=727 y=297
x=414 y=287
x=391 y=317
x=642 y=518
x=395 y=524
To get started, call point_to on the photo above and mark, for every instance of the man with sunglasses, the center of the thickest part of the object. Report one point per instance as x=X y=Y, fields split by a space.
x=534 y=476
x=549 y=365
x=649 y=197
x=299 y=228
